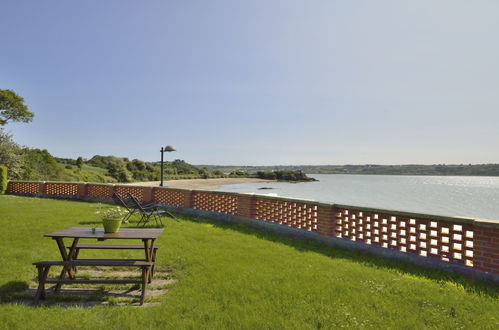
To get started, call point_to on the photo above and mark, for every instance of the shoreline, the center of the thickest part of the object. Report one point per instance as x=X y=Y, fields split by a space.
x=199 y=184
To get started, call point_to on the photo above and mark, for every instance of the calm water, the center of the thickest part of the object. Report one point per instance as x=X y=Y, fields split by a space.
x=453 y=196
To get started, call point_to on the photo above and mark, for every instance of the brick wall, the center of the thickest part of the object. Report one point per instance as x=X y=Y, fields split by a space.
x=215 y=202
x=469 y=243
x=486 y=249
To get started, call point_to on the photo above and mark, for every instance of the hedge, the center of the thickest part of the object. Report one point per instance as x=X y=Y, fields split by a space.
x=3 y=179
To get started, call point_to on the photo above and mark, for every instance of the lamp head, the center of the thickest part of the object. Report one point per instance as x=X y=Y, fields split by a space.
x=170 y=148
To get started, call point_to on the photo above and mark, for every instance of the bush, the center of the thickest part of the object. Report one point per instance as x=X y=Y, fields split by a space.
x=284 y=176
x=3 y=179
x=40 y=165
x=11 y=155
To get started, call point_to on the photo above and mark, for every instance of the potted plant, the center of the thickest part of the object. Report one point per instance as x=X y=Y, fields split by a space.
x=112 y=218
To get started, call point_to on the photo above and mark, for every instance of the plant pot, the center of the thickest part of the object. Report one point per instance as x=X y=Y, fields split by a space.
x=111 y=225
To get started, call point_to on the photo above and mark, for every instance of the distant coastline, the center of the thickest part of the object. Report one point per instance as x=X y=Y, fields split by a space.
x=368 y=169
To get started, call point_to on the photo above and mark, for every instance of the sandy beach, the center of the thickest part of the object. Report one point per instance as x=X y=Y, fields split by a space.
x=199 y=184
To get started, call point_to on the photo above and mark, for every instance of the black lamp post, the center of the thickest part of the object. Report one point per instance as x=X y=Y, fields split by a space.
x=167 y=149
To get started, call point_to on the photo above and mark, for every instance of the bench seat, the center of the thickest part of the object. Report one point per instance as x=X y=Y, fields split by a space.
x=93 y=281
x=97 y=262
x=43 y=268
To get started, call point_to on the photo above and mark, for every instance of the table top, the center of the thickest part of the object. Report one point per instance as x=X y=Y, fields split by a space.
x=123 y=233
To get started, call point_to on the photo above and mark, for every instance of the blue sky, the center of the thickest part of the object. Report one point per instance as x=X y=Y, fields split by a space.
x=257 y=82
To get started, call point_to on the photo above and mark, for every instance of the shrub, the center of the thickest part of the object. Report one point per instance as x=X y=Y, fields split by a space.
x=11 y=155
x=284 y=176
x=3 y=179
x=41 y=165
x=79 y=162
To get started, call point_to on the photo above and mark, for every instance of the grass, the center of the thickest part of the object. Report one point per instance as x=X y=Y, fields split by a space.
x=90 y=168
x=234 y=276
x=86 y=167
x=86 y=174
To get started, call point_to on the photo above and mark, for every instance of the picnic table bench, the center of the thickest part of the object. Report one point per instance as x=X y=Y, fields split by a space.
x=70 y=260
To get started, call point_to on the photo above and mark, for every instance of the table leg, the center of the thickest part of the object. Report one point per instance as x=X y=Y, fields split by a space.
x=150 y=256
x=145 y=276
x=72 y=254
x=62 y=250
x=62 y=247
x=42 y=277
x=66 y=256
x=153 y=268
x=77 y=252
x=146 y=249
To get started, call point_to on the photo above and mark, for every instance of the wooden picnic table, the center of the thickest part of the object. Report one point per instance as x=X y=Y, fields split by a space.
x=70 y=258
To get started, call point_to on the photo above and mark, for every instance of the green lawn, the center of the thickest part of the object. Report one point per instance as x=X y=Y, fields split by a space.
x=234 y=276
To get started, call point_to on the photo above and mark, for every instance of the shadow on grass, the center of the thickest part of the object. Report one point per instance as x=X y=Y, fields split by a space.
x=9 y=291
x=470 y=284
x=18 y=292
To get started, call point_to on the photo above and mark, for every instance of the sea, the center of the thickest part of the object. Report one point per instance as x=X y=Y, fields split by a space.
x=465 y=196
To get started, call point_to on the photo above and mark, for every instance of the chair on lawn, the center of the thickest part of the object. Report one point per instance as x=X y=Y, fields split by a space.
x=134 y=201
x=128 y=205
x=147 y=211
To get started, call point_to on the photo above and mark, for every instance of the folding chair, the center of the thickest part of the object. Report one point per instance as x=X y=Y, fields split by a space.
x=149 y=205
x=130 y=207
x=147 y=211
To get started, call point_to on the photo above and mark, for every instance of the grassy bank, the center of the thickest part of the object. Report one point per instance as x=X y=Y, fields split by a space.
x=233 y=276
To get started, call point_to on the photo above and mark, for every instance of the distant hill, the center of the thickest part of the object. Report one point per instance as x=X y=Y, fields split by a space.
x=440 y=169
x=41 y=165
x=121 y=169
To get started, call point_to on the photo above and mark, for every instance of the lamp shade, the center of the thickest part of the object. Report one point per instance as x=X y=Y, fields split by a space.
x=170 y=148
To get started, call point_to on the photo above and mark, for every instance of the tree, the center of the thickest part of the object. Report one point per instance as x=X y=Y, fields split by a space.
x=140 y=165
x=40 y=165
x=12 y=108
x=3 y=178
x=118 y=171
x=11 y=155
x=79 y=162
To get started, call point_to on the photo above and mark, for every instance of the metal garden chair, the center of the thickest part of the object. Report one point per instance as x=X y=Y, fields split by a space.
x=147 y=211
x=128 y=205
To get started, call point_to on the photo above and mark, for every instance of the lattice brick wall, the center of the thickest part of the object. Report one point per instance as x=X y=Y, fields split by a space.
x=138 y=192
x=215 y=202
x=429 y=238
x=473 y=244
x=99 y=190
x=170 y=197
x=68 y=189
x=23 y=187
x=293 y=214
